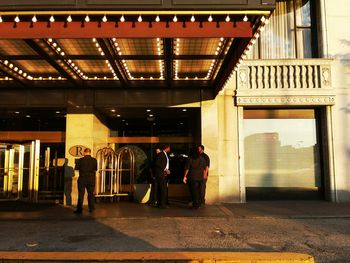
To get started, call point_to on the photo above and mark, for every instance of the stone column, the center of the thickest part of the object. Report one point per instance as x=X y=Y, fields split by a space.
x=220 y=138
x=86 y=130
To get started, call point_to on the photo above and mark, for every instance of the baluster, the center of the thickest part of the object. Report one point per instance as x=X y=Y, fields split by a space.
x=297 y=77
x=291 y=77
x=253 y=78
x=285 y=77
x=273 y=77
x=259 y=76
x=266 y=77
x=278 y=80
x=316 y=76
x=310 y=77
x=303 y=77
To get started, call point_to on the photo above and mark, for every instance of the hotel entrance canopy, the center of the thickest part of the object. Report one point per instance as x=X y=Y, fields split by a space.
x=129 y=45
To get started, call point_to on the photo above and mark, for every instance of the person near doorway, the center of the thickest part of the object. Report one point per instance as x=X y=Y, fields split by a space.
x=162 y=171
x=87 y=167
x=206 y=172
x=68 y=173
x=194 y=176
x=154 y=186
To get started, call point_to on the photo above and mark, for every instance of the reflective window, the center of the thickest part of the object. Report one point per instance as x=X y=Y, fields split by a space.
x=281 y=149
x=289 y=33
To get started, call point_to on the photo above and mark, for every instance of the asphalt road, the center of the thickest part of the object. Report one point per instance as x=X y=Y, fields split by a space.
x=327 y=239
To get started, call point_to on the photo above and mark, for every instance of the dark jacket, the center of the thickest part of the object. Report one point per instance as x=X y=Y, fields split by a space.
x=196 y=168
x=160 y=164
x=87 y=167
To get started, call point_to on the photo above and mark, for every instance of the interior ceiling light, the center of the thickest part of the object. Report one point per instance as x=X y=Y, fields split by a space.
x=1 y=19
x=17 y=19
x=52 y=19
x=157 y=19
x=210 y=18
x=227 y=19
x=69 y=19
x=122 y=18
x=193 y=19
x=104 y=19
x=139 y=18
x=87 y=18
x=34 y=19
x=245 y=18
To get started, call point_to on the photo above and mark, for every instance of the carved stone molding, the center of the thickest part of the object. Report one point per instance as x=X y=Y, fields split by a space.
x=285 y=100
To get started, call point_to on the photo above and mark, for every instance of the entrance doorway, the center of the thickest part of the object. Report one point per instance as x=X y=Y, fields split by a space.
x=31 y=172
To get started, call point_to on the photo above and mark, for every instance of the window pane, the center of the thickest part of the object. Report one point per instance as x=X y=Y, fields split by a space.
x=281 y=149
x=278 y=39
x=303 y=13
x=304 y=43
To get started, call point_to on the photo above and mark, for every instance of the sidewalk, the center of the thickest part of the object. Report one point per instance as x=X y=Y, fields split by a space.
x=17 y=210
x=320 y=229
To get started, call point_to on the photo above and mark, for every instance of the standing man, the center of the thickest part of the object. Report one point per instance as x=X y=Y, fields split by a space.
x=154 y=186
x=87 y=167
x=161 y=171
x=206 y=171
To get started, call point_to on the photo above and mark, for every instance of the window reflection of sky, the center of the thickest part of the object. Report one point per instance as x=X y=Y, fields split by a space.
x=294 y=132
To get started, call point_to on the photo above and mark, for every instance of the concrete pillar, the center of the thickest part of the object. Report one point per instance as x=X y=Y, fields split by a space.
x=86 y=130
x=220 y=138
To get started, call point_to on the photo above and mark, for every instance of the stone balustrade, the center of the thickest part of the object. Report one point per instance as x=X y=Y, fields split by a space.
x=285 y=82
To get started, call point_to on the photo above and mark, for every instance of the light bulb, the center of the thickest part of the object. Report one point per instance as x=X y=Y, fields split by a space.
x=104 y=19
x=227 y=18
x=34 y=19
x=245 y=19
x=122 y=19
x=1 y=19
x=52 y=19
x=69 y=19
x=175 y=19
x=193 y=19
x=87 y=18
x=210 y=18
x=17 y=19
x=157 y=19
x=140 y=18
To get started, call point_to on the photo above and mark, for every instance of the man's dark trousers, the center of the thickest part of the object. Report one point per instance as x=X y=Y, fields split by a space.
x=162 y=190
x=82 y=184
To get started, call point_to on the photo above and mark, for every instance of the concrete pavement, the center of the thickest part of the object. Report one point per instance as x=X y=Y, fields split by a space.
x=320 y=229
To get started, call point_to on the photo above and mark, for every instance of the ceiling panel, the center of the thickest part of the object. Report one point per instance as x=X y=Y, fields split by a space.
x=78 y=46
x=191 y=67
x=15 y=47
x=143 y=67
x=139 y=46
x=93 y=66
x=197 y=46
x=36 y=67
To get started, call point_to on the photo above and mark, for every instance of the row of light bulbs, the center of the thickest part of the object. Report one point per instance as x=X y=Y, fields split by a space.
x=122 y=19
x=97 y=45
x=264 y=22
x=16 y=69
x=71 y=64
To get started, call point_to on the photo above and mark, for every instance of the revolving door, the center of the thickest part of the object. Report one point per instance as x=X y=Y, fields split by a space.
x=27 y=175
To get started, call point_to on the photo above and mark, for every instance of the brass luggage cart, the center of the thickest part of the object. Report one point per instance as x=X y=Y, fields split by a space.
x=111 y=169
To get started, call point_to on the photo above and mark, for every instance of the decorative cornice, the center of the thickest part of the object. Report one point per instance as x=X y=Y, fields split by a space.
x=285 y=100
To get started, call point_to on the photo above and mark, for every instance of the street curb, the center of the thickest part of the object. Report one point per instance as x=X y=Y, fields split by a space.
x=193 y=257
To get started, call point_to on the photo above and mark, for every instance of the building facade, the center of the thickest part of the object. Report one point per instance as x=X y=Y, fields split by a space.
x=272 y=111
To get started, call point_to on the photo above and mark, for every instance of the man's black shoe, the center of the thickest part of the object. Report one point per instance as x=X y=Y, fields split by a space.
x=78 y=212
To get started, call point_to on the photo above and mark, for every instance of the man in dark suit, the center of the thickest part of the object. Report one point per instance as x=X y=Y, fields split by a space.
x=161 y=171
x=206 y=171
x=87 y=167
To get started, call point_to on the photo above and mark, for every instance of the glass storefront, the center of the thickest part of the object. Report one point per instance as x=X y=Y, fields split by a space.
x=282 y=154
